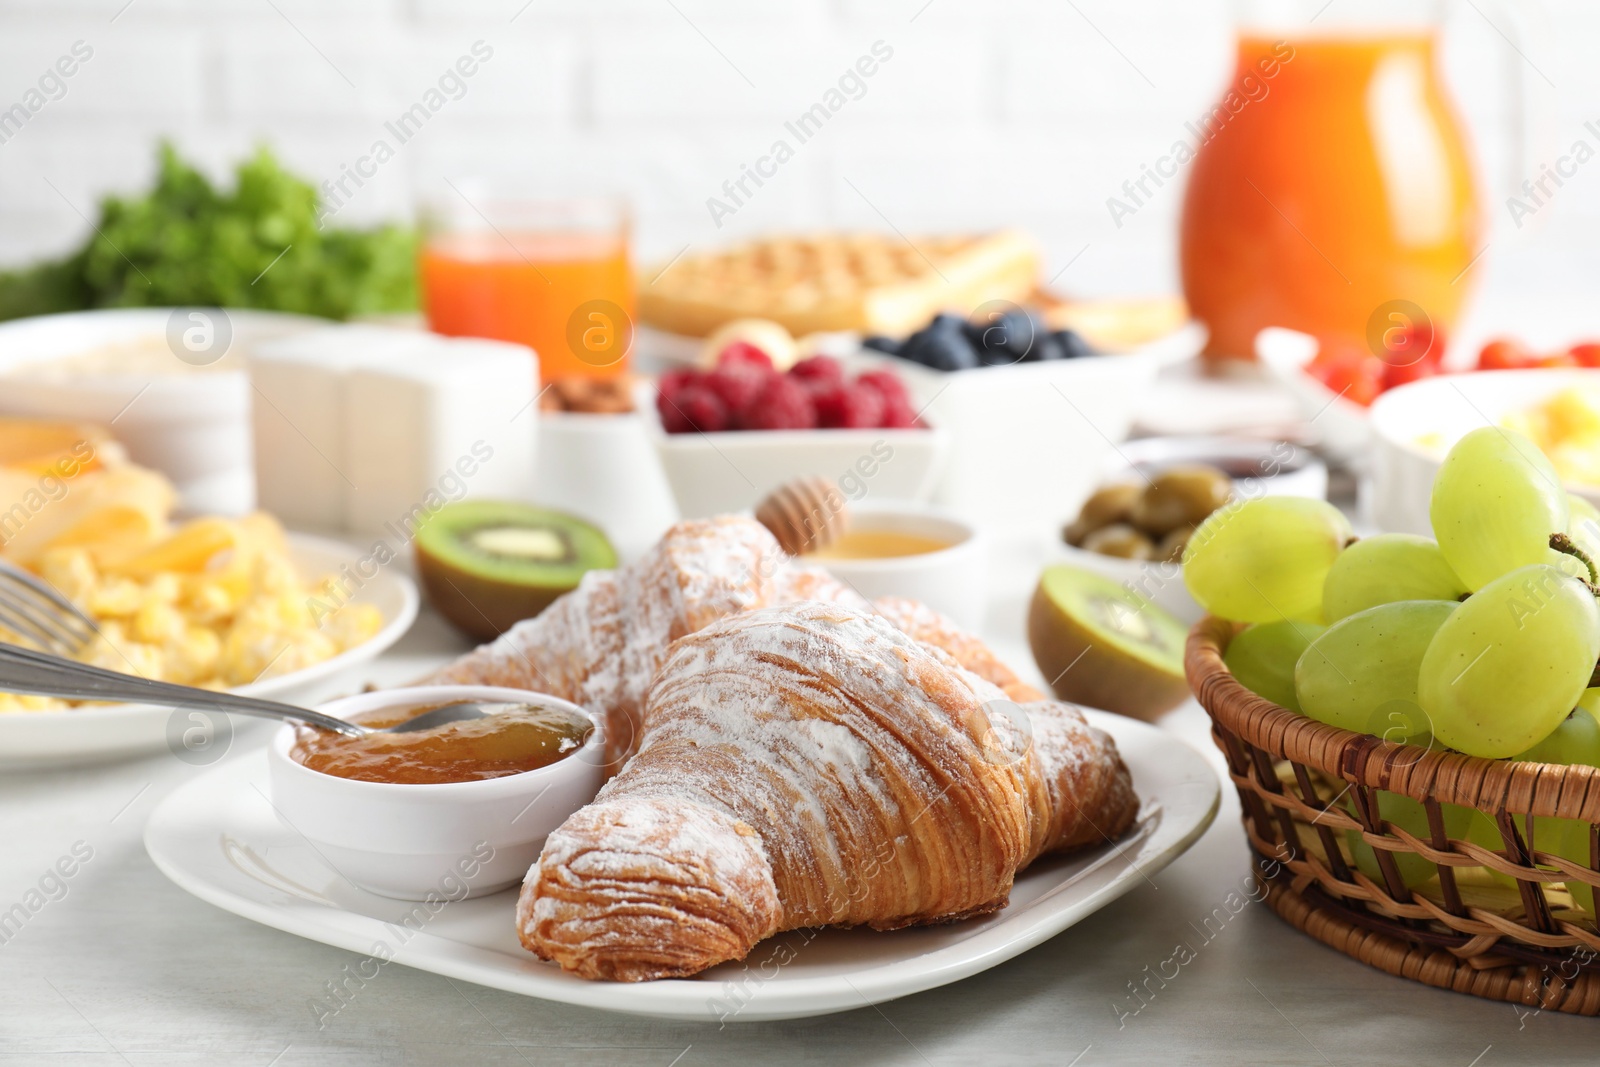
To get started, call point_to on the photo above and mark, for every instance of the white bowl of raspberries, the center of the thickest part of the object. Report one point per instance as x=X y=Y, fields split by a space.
x=730 y=435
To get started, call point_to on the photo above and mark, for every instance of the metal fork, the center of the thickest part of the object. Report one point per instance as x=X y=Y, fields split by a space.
x=35 y=612
x=22 y=670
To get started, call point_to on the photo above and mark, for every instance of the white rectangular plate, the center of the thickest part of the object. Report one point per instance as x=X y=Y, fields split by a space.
x=218 y=838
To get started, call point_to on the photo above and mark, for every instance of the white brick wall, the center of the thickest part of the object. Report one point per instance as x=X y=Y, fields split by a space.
x=1022 y=112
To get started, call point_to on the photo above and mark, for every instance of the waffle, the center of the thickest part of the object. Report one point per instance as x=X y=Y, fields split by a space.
x=1113 y=325
x=871 y=283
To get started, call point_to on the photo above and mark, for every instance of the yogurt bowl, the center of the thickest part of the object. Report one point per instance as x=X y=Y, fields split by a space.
x=405 y=840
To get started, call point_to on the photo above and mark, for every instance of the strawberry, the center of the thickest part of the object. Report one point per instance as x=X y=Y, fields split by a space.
x=1355 y=375
x=1505 y=354
x=1586 y=353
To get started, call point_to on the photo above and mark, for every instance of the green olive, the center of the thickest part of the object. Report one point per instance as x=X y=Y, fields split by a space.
x=1109 y=504
x=1120 y=539
x=1180 y=496
x=1172 y=545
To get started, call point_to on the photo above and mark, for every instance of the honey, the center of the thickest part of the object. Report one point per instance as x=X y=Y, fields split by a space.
x=521 y=737
x=880 y=544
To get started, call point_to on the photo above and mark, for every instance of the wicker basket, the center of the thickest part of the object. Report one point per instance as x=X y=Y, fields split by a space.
x=1526 y=945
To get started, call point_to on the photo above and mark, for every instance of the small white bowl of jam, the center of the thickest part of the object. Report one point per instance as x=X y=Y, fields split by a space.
x=904 y=549
x=470 y=803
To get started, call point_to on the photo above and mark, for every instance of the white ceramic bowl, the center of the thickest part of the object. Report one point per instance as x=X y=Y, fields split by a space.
x=720 y=473
x=192 y=425
x=1342 y=426
x=1258 y=468
x=404 y=841
x=1415 y=425
x=604 y=469
x=1028 y=440
x=952 y=580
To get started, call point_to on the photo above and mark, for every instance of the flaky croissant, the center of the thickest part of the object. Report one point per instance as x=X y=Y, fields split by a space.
x=602 y=644
x=806 y=766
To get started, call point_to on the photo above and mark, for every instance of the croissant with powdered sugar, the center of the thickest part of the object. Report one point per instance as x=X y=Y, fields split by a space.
x=813 y=765
x=600 y=645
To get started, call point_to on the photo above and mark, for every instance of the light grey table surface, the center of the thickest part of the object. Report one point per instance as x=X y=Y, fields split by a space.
x=127 y=968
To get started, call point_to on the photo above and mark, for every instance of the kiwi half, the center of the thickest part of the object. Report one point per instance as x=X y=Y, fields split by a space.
x=488 y=564
x=1105 y=646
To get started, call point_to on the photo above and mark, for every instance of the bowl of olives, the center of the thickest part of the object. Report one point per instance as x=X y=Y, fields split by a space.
x=1135 y=526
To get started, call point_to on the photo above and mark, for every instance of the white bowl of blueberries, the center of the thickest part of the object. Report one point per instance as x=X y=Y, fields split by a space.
x=1033 y=412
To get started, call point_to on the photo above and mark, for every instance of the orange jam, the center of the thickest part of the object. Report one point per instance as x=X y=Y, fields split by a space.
x=521 y=737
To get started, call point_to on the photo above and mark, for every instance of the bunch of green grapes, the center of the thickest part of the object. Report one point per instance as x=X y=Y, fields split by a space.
x=1483 y=640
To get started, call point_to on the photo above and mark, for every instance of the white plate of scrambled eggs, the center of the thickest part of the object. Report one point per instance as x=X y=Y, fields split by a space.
x=300 y=613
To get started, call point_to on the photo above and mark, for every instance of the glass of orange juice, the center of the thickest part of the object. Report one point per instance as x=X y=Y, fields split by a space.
x=555 y=275
x=1333 y=182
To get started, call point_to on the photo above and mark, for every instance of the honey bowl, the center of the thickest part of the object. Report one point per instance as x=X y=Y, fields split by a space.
x=902 y=549
x=401 y=838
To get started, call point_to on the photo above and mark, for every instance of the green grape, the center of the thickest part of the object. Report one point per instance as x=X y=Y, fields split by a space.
x=1576 y=740
x=1482 y=831
x=1262 y=658
x=1264 y=560
x=1573 y=845
x=1584 y=529
x=1361 y=674
x=1590 y=702
x=1510 y=663
x=1384 y=569
x=1496 y=501
x=1413 y=818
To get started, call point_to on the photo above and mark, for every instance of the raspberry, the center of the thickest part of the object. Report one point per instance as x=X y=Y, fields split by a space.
x=782 y=404
x=850 y=407
x=673 y=381
x=737 y=384
x=743 y=353
x=898 y=414
x=886 y=382
x=819 y=373
x=695 y=407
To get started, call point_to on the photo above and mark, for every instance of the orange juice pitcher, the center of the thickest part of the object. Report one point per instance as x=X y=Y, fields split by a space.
x=1332 y=180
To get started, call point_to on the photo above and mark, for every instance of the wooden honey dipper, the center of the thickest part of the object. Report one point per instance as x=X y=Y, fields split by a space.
x=805 y=515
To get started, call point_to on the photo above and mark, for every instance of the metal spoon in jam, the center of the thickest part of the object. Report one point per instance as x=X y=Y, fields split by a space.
x=446 y=743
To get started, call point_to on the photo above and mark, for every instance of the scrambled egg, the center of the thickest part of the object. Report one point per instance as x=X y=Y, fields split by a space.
x=217 y=604
x=1566 y=428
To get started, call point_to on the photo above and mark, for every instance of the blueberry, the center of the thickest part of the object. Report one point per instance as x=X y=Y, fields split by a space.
x=946 y=322
x=891 y=345
x=1046 y=348
x=1073 y=346
x=1008 y=338
x=992 y=352
x=941 y=348
x=1023 y=330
